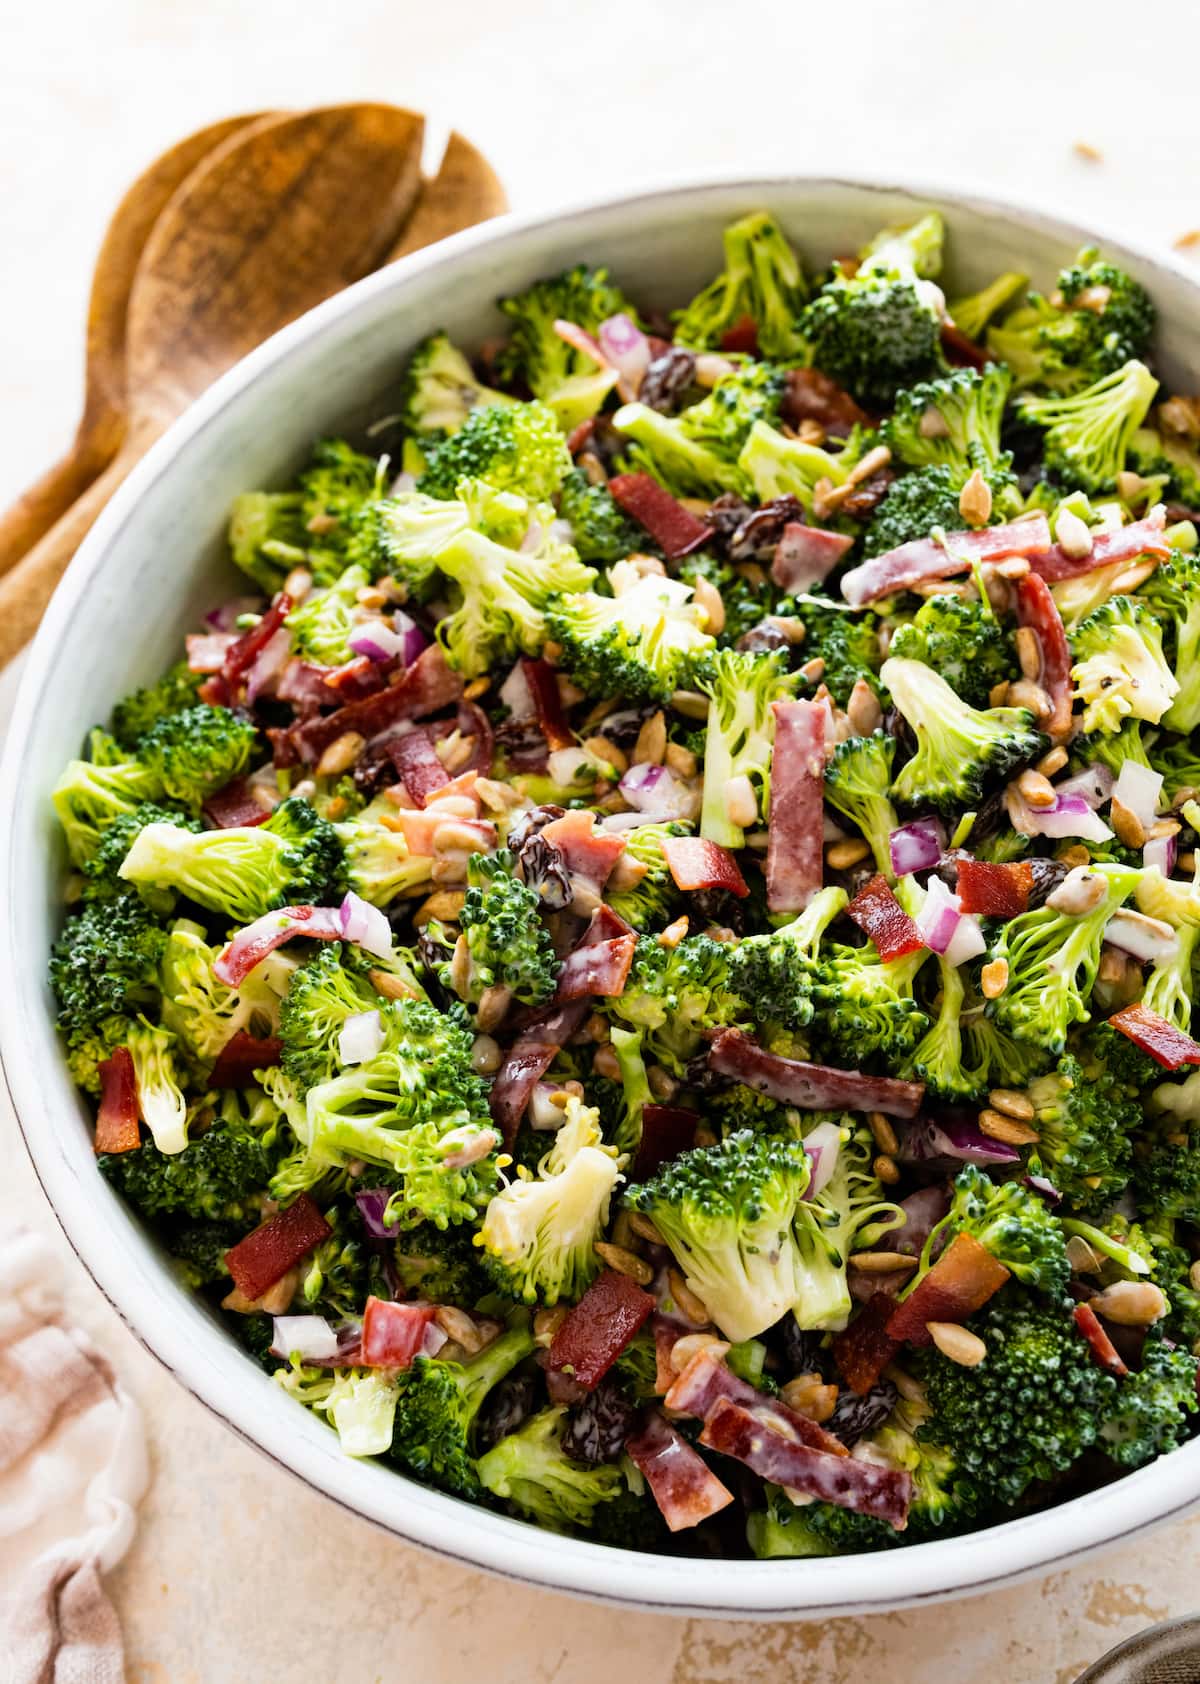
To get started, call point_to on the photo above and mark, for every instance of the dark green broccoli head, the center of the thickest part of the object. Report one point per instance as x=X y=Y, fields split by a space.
x=219 y=1177
x=746 y=602
x=1166 y=1174
x=762 y=280
x=530 y=1470
x=106 y=963
x=322 y=994
x=1106 y=319
x=960 y=749
x=1173 y=1273
x=538 y=356
x=1172 y=594
x=952 y=422
x=197 y=750
x=1084 y=1119
x=675 y=995
x=507 y=938
x=963 y=641
x=648 y=642
x=722 y=421
x=916 y=505
x=101 y=879
x=1087 y=434
x=874 y=334
x=441 y=1264
x=440 y=389
x=515 y=447
x=198 y=1251
x=1014 y=1224
x=89 y=1045
x=136 y=713
x=321 y=523
x=1153 y=1407
x=865 y=1008
x=845 y=639
x=600 y=528
x=437 y=1407
x=738 y=1107
x=775 y=973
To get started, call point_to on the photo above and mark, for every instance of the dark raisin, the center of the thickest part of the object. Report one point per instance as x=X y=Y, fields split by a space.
x=854 y=1416
x=506 y=1407
x=866 y=498
x=757 y=536
x=1047 y=875
x=597 y=1428
x=803 y=1351
x=667 y=379
x=762 y=639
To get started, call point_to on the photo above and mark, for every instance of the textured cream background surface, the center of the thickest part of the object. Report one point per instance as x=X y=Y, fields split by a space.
x=239 y=1573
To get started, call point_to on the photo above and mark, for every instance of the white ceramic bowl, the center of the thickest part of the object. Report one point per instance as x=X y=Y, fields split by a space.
x=155 y=560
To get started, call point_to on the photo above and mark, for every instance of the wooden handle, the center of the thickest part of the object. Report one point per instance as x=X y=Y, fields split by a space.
x=28 y=587
x=48 y=498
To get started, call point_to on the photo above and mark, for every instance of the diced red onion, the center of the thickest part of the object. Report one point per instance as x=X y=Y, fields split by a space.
x=916 y=846
x=1044 y=1189
x=433 y=1339
x=1071 y=815
x=1139 y=789
x=1147 y=939
x=1094 y=784
x=656 y=789
x=822 y=1145
x=967 y=942
x=310 y=1337
x=377 y=641
x=926 y=1141
x=517 y=696
x=361 y=1037
x=268 y=664
x=627 y=350
x=372 y=1202
x=1160 y=851
x=366 y=926
x=939 y=916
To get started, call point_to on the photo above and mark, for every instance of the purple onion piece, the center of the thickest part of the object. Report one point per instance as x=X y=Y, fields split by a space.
x=916 y=846
x=372 y=1202
x=1043 y=1188
x=954 y=1140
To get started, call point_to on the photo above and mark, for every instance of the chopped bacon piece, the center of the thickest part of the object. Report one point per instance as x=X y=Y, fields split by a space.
x=241 y=1056
x=117 y=1119
x=250 y=946
x=995 y=891
x=1165 y=1044
x=695 y=863
x=419 y=827
x=863 y=1350
x=423 y=688
x=599 y=1327
x=667 y=1335
x=234 y=807
x=587 y=852
x=392 y=1334
x=674 y=528
x=960 y=350
x=706 y=1379
x=355 y=679
x=1141 y=537
x=579 y=436
x=962 y=1280
x=805 y=555
x=267 y=1254
x=421 y=772
x=598 y=969
x=547 y=703
x=681 y=1482
x=755 y=1438
x=1102 y=1347
x=206 y=651
x=527 y=1061
x=796 y=818
x=742 y=337
x=1037 y=609
x=926 y=558
x=667 y=1130
x=810 y=1087
x=809 y=395
x=475 y=724
x=883 y=920
x=245 y=650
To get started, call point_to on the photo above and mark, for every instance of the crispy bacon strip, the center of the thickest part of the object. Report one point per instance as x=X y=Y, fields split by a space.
x=599 y=1327
x=423 y=688
x=530 y=1056
x=706 y=1379
x=883 y=920
x=806 y=555
x=245 y=650
x=547 y=703
x=392 y=1334
x=1165 y=1044
x=925 y=558
x=795 y=822
x=267 y=1254
x=995 y=891
x=117 y=1119
x=1037 y=609
x=681 y=1482
x=742 y=337
x=695 y=863
x=600 y=968
x=1102 y=1347
x=810 y=1087
x=241 y=1056
x=960 y=350
x=754 y=1437
x=234 y=807
x=421 y=772
x=863 y=1350
x=1141 y=537
x=962 y=1280
x=667 y=1130
x=674 y=528
x=251 y=945
x=588 y=853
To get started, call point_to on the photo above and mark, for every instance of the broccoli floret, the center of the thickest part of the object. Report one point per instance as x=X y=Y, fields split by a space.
x=102 y=880
x=378 y=864
x=358 y=1403
x=92 y=793
x=746 y=601
x=762 y=279
x=1052 y=959
x=773 y=465
x=1173 y=1273
x=1087 y=434
x=1166 y=1173
x=1120 y=668
x=1179 y=763
x=220 y=1177
x=685 y=464
x=515 y=447
x=1159 y=452
x=106 y=963
x=727 y=1213
x=1084 y=1119
x=1012 y=1222
x=879 y=329
x=530 y=1470
x=741 y=729
x=197 y=1250
x=268 y=536
x=972 y=314
x=782 y=1531
x=600 y=528
x=442 y=1265
x=1001 y=1060
x=647 y=641
x=571 y=382
x=336 y=1278
x=322 y=523
x=916 y=505
x=857 y=783
x=324 y=621
x=1031 y=1407
x=1099 y=319
x=651 y=902
x=294 y=859
x=507 y=940
x=776 y=972
x=201 y=1011
x=675 y=995
x=636 y=1094
x=160 y=1096
x=89 y=1046
x=737 y=1107
x=849 y=1213
x=437 y=1406
x=1150 y=1414
x=197 y=750
x=722 y=421
x=1172 y=595
x=321 y=995
x=845 y=639
x=942 y=1059
x=440 y=389
x=136 y=713
x=866 y=1008
x=960 y=749
x=963 y=641
x=539 y=1233
x=953 y=422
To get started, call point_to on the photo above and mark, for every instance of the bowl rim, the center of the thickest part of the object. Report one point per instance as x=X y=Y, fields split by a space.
x=441 y=1524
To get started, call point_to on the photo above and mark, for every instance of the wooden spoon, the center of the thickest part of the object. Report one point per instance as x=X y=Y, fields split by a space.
x=275 y=219
x=465 y=191
x=102 y=425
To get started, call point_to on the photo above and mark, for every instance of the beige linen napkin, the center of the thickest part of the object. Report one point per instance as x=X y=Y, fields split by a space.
x=72 y=1470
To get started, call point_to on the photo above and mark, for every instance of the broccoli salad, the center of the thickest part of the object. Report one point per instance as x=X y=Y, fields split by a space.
x=644 y=963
